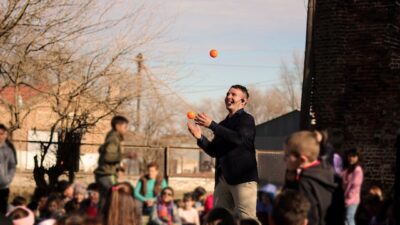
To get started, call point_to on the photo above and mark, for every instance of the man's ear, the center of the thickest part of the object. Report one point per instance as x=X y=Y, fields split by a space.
x=244 y=101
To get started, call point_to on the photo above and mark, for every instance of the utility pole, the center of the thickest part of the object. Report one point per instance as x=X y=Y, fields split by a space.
x=140 y=66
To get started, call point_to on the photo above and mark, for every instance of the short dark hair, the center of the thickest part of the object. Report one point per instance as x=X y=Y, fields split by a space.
x=198 y=192
x=3 y=127
x=221 y=214
x=19 y=201
x=153 y=164
x=168 y=188
x=93 y=187
x=118 y=120
x=242 y=88
x=248 y=221
x=62 y=185
x=353 y=152
x=187 y=197
x=290 y=208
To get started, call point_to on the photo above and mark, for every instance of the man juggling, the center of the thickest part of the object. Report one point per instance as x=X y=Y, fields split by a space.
x=236 y=173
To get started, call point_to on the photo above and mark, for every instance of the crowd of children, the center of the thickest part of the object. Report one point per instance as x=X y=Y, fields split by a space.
x=321 y=187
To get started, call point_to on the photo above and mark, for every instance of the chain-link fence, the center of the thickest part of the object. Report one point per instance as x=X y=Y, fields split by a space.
x=173 y=161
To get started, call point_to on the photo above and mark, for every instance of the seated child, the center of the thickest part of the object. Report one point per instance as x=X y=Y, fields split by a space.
x=290 y=208
x=20 y=215
x=164 y=211
x=188 y=213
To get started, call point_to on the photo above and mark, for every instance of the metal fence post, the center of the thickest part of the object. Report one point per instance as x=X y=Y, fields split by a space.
x=166 y=163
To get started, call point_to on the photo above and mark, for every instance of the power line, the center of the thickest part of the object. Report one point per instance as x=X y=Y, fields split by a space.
x=223 y=87
x=219 y=64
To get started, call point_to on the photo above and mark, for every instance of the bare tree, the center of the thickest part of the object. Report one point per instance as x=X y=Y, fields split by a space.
x=263 y=104
x=79 y=104
x=33 y=34
x=52 y=47
x=292 y=79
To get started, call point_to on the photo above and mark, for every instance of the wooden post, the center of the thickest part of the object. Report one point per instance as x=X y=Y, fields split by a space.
x=166 y=172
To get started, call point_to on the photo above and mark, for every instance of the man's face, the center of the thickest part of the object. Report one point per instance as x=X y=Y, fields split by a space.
x=235 y=99
x=122 y=128
x=3 y=136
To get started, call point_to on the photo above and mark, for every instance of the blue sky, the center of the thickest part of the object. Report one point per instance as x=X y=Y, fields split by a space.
x=252 y=37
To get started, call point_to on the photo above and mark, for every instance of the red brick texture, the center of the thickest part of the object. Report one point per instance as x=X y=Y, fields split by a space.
x=356 y=52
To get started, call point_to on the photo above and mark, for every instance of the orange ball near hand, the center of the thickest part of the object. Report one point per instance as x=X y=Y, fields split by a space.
x=213 y=53
x=191 y=115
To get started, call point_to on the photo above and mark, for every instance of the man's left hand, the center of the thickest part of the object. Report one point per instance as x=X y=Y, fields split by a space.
x=203 y=119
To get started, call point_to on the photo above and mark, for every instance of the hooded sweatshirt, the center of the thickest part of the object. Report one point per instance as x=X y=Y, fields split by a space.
x=318 y=184
x=7 y=165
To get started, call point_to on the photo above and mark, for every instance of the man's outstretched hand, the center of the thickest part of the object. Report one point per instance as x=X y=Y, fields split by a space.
x=194 y=129
x=203 y=119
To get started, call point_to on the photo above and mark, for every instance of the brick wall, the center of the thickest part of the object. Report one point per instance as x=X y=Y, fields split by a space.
x=356 y=66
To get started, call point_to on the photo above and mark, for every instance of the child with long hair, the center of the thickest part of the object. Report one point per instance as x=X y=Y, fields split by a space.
x=188 y=213
x=149 y=187
x=165 y=211
x=352 y=181
x=121 y=207
x=203 y=203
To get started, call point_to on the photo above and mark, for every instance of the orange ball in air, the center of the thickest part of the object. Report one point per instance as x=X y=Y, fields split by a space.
x=213 y=53
x=191 y=115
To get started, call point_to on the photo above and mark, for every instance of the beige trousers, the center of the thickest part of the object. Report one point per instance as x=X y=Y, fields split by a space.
x=240 y=199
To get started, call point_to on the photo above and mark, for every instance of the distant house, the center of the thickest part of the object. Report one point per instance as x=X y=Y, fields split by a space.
x=36 y=127
x=270 y=137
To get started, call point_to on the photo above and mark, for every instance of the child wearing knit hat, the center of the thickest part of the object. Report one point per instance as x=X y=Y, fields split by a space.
x=21 y=215
x=74 y=205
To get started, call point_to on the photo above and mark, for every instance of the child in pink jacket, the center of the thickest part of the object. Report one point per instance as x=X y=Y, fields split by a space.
x=352 y=181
